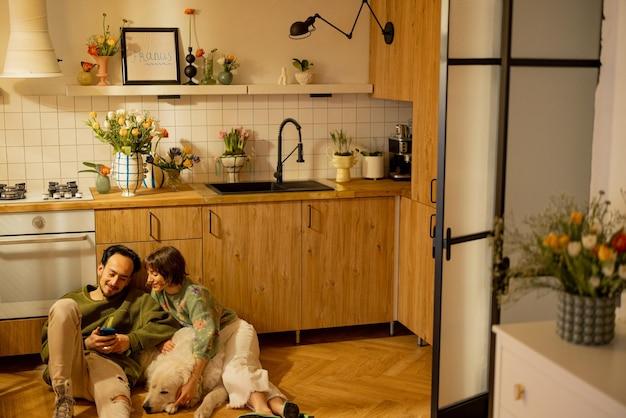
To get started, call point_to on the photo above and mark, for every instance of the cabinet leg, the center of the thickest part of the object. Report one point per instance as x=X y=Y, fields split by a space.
x=391 y=328
x=297 y=337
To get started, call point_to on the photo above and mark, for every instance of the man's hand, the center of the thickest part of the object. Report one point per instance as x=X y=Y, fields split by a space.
x=107 y=344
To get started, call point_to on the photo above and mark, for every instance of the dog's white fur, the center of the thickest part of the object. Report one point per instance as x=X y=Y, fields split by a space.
x=166 y=373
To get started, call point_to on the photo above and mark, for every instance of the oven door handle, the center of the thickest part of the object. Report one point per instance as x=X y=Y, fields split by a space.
x=44 y=240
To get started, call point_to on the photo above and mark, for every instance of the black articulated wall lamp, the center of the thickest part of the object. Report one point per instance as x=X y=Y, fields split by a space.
x=301 y=30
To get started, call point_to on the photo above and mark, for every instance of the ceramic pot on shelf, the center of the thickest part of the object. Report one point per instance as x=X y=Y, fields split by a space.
x=304 y=77
x=225 y=77
x=85 y=78
x=102 y=74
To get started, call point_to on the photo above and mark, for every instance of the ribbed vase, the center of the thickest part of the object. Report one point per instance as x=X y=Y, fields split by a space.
x=585 y=320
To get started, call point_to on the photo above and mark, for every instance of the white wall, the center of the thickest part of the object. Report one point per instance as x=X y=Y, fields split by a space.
x=43 y=137
x=609 y=149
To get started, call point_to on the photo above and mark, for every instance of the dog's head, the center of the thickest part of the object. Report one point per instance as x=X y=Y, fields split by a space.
x=163 y=384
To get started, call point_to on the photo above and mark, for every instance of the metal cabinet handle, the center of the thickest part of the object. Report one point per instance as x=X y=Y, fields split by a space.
x=43 y=240
x=518 y=391
x=310 y=221
x=151 y=233
x=211 y=222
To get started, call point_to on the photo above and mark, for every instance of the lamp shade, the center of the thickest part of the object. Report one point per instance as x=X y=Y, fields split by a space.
x=30 y=53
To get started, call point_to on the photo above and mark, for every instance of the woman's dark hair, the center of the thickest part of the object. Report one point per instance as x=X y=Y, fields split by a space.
x=170 y=263
x=122 y=250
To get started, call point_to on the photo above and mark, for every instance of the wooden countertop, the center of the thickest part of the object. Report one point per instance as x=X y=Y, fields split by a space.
x=199 y=194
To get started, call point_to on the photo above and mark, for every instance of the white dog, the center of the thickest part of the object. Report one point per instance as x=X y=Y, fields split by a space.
x=168 y=372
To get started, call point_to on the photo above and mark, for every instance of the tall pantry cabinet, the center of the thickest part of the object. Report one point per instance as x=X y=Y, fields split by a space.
x=408 y=70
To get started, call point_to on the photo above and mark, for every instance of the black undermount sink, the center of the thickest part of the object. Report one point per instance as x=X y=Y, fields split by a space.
x=269 y=187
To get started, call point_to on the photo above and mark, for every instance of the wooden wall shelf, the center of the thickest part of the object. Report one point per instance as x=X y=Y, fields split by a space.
x=185 y=90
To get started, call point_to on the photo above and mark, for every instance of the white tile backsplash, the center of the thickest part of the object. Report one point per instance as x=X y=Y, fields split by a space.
x=44 y=138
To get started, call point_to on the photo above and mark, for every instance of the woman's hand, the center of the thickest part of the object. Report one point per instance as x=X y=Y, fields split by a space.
x=187 y=392
x=166 y=346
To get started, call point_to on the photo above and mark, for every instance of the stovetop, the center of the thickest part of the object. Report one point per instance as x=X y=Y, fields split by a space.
x=56 y=191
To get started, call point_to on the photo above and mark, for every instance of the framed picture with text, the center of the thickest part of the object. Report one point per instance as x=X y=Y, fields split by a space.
x=150 y=56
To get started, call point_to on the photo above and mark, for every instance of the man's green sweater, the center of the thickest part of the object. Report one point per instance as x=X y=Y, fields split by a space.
x=132 y=312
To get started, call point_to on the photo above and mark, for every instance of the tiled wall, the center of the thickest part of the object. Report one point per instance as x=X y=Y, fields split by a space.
x=44 y=138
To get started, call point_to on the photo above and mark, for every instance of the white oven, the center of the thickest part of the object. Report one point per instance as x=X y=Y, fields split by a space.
x=44 y=255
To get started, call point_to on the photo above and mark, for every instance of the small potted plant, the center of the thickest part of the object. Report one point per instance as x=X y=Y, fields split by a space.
x=373 y=164
x=103 y=182
x=234 y=156
x=343 y=158
x=304 y=74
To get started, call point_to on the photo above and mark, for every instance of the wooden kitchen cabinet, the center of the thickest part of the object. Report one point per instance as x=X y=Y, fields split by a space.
x=416 y=276
x=252 y=261
x=146 y=229
x=348 y=262
x=21 y=336
x=408 y=70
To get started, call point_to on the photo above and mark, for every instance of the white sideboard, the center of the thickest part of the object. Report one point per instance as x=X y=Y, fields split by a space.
x=539 y=375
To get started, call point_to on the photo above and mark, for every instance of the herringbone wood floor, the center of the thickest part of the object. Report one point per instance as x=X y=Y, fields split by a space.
x=343 y=372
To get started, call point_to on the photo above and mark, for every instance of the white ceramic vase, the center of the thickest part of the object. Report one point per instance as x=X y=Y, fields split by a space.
x=154 y=178
x=128 y=171
x=373 y=166
x=304 y=77
x=232 y=164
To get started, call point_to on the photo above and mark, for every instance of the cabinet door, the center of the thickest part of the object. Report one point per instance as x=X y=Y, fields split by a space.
x=252 y=261
x=191 y=249
x=392 y=69
x=151 y=224
x=348 y=262
x=416 y=278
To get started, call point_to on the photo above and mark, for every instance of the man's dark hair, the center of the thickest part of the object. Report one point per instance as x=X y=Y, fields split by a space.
x=122 y=250
x=170 y=263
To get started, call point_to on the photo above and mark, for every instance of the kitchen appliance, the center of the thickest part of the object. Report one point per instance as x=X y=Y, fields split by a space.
x=43 y=255
x=400 y=145
x=20 y=193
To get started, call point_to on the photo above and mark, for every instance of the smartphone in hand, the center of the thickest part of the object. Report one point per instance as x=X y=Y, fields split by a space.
x=107 y=331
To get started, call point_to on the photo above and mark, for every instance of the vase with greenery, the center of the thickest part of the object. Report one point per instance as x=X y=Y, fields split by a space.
x=341 y=155
x=229 y=63
x=234 y=157
x=373 y=166
x=207 y=68
x=131 y=134
x=103 y=182
x=577 y=249
x=103 y=46
x=304 y=74
x=173 y=163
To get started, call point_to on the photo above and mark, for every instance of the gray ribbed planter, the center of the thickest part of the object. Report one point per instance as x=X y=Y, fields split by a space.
x=585 y=320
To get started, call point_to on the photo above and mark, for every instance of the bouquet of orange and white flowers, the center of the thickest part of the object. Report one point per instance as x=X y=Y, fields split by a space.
x=577 y=248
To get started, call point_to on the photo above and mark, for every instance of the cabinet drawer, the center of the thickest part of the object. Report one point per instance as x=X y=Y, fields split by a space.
x=542 y=396
x=151 y=224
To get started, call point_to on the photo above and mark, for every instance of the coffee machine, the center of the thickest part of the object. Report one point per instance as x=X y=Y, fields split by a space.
x=400 y=154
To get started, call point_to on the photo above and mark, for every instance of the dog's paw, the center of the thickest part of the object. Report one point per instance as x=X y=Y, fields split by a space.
x=170 y=408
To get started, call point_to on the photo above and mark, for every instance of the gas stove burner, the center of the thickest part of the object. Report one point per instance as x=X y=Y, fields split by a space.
x=67 y=190
x=18 y=191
